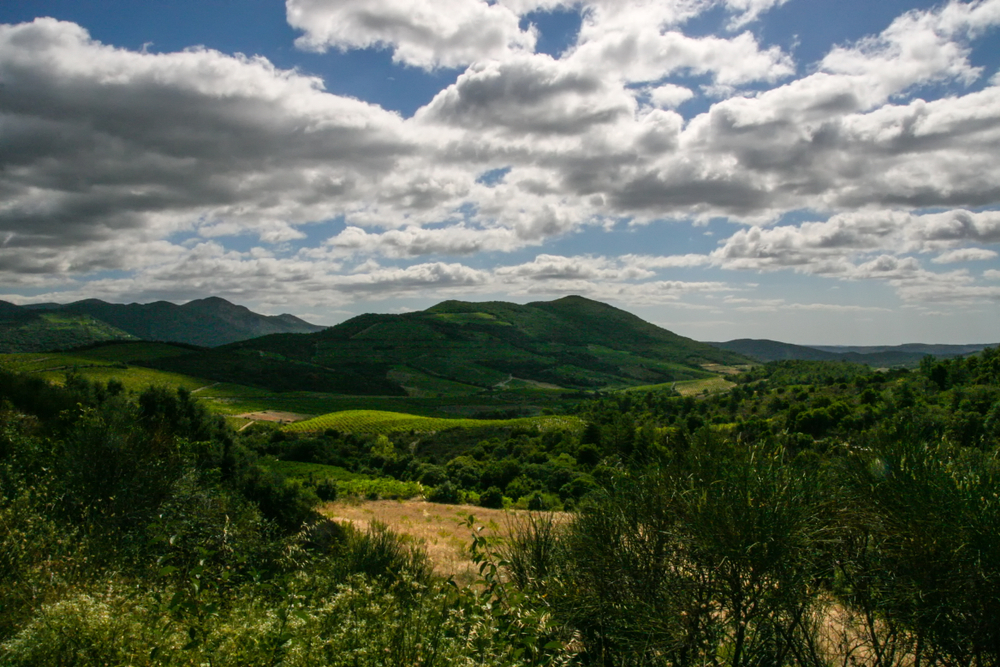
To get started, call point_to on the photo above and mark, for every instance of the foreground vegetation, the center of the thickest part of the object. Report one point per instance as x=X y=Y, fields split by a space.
x=814 y=514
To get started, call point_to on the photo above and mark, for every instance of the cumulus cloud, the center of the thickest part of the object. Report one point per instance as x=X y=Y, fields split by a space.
x=110 y=156
x=557 y=267
x=528 y=94
x=873 y=246
x=817 y=247
x=965 y=255
x=422 y=33
x=101 y=142
x=415 y=241
x=645 y=52
x=669 y=95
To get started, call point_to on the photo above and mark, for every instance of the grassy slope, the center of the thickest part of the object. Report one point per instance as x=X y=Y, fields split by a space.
x=55 y=366
x=118 y=361
x=383 y=422
x=36 y=331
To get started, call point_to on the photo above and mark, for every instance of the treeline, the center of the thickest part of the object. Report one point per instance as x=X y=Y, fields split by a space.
x=810 y=408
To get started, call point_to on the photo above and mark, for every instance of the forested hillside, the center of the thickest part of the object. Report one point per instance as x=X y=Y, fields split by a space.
x=571 y=343
x=206 y=322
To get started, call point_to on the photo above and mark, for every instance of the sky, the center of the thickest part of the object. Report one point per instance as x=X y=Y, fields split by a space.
x=810 y=171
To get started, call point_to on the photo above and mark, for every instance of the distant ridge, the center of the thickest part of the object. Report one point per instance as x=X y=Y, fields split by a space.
x=908 y=354
x=459 y=347
x=209 y=322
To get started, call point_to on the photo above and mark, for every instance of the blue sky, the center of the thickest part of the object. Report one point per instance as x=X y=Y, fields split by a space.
x=809 y=171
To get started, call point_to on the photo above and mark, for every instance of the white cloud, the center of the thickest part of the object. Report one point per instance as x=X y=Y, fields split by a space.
x=669 y=96
x=964 y=255
x=816 y=246
x=559 y=268
x=103 y=143
x=666 y=261
x=535 y=94
x=422 y=33
x=643 y=52
x=873 y=246
x=749 y=10
x=414 y=241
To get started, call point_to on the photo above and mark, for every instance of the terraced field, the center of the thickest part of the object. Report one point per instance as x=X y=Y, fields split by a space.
x=382 y=422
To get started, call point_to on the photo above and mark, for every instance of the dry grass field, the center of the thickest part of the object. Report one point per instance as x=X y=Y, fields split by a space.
x=442 y=530
x=707 y=386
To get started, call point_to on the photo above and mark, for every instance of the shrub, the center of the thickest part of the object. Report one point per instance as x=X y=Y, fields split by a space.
x=446 y=493
x=381 y=553
x=491 y=497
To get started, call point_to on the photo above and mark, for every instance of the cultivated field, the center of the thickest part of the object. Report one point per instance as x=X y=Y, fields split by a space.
x=382 y=422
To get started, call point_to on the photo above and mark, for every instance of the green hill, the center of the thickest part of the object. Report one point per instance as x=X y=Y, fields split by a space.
x=908 y=355
x=23 y=330
x=459 y=347
x=206 y=322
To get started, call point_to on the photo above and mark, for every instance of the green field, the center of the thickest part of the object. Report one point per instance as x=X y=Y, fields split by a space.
x=55 y=366
x=382 y=422
x=312 y=471
x=712 y=385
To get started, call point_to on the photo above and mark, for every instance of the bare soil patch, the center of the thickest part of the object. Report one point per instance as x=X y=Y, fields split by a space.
x=274 y=416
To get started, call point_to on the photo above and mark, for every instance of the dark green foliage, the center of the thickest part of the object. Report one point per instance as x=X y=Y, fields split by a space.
x=714 y=554
x=250 y=367
x=925 y=547
x=446 y=493
x=24 y=330
x=491 y=497
x=730 y=529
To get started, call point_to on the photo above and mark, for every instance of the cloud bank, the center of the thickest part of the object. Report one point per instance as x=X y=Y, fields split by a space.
x=130 y=174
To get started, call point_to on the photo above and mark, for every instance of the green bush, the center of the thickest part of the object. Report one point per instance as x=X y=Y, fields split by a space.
x=446 y=493
x=491 y=497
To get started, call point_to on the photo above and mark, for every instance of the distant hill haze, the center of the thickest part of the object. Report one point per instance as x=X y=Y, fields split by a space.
x=205 y=322
x=909 y=354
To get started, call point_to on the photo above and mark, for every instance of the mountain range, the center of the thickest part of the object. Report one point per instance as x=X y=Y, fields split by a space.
x=205 y=322
x=909 y=354
x=460 y=347
x=453 y=347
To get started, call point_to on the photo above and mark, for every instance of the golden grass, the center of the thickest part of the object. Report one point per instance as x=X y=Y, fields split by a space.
x=442 y=530
x=708 y=385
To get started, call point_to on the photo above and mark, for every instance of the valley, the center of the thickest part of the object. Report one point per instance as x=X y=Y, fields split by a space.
x=565 y=476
